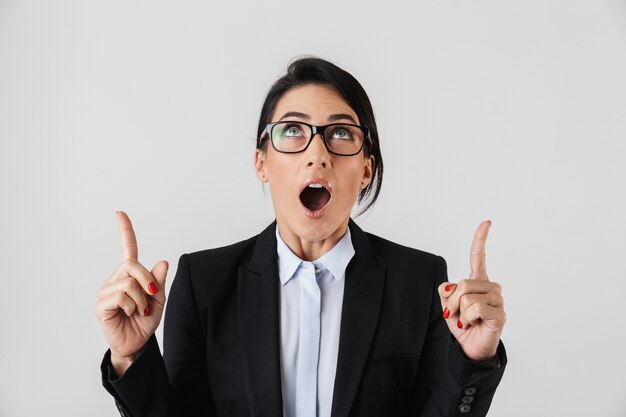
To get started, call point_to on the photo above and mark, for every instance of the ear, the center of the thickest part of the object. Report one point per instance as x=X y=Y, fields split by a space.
x=367 y=171
x=260 y=165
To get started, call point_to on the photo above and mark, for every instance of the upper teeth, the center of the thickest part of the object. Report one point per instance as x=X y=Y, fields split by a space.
x=316 y=185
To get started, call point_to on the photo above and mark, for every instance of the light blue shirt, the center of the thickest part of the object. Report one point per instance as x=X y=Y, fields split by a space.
x=330 y=271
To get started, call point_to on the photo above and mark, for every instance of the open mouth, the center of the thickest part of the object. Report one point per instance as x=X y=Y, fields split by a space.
x=314 y=196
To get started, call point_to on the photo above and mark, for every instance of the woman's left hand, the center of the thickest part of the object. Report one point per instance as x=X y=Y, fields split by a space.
x=474 y=307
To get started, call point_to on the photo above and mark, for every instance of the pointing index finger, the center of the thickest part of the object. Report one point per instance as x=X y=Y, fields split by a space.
x=129 y=241
x=478 y=264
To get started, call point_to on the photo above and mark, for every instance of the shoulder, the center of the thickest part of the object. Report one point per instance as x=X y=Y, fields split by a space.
x=411 y=275
x=225 y=261
x=407 y=265
x=224 y=257
x=389 y=252
x=213 y=273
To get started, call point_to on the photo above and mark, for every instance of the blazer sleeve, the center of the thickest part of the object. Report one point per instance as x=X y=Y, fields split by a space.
x=175 y=384
x=448 y=384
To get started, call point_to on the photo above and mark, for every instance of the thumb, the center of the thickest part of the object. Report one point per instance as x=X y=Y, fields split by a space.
x=159 y=271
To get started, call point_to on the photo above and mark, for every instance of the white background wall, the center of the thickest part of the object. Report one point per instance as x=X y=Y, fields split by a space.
x=508 y=110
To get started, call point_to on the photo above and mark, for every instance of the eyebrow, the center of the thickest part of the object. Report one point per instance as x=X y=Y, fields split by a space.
x=331 y=118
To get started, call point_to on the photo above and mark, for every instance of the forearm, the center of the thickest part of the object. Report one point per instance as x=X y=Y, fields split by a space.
x=120 y=364
x=143 y=389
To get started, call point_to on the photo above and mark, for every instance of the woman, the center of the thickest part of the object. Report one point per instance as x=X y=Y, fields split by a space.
x=313 y=316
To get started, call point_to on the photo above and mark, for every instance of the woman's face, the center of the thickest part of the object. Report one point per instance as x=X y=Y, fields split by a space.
x=302 y=208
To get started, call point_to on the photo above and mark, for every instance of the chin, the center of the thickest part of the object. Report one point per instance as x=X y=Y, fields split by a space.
x=310 y=226
x=319 y=229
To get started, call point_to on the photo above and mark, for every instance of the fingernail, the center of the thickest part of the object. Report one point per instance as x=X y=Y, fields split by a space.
x=447 y=287
x=459 y=324
x=446 y=313
x=146 y=312
x=152 y=288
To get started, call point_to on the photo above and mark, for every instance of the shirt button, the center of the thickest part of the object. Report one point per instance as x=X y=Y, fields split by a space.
x=465 y=408
x=470 y=391
x=317 y=270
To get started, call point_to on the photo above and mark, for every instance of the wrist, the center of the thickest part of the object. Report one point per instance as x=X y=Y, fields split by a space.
x=493 y=362
x=487 y=360
x=121 y=363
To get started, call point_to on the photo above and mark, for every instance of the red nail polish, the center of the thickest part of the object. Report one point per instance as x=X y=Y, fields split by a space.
x=459 y=324
x=146 y=311
x=152 y=288
x=446 y=313
x=447 y=287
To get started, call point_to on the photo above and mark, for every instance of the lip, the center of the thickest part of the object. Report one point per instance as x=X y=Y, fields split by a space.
x=322 y=181
x=316 y=214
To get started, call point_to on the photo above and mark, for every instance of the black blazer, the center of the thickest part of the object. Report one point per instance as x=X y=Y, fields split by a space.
x=221 y=353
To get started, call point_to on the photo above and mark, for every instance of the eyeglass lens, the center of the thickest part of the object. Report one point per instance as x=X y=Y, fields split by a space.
x=342 y=139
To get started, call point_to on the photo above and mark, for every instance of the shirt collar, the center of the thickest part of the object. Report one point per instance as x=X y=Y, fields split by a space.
x=335 y=260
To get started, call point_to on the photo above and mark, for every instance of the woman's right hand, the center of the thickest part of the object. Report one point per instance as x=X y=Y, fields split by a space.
x=131 y=302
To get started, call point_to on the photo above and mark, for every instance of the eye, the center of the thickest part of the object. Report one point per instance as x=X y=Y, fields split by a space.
x=341 y=133
x=292 y=130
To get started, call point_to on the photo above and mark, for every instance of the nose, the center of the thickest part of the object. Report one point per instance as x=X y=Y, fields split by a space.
x=317 y=154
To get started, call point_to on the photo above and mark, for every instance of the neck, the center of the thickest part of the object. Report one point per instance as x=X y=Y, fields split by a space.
x=310 y=250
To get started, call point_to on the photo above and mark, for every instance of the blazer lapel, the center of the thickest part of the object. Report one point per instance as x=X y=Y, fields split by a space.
x=362 y=297
x=259 y=321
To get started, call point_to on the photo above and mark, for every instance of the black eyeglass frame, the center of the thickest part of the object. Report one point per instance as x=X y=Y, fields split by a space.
x=314 y=131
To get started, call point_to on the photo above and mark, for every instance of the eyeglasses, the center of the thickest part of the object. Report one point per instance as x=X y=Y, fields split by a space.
x=339 y=138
